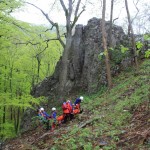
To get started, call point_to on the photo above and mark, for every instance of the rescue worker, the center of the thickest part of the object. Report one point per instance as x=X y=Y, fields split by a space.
x=60 y=119
x=70 y=107
x=54 y=114
x=39 y=112
x=78 y=100
x=66 y=112
x=76 y=109
x=40 y=118
x=77 y=104
x=46 y=117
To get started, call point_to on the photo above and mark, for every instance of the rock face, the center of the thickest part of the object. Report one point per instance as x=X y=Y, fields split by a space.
x=86 y=69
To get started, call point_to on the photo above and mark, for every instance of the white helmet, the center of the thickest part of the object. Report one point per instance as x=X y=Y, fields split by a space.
x=81 y=97
x=53 y=109
x=42 y=109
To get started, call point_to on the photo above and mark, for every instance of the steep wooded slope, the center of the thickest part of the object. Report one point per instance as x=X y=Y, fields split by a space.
x=115 y=119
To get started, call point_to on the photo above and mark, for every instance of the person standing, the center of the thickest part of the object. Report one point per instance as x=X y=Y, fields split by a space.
x=45 y=116
x=70 y=107
x=53 y=116
x=66 y=112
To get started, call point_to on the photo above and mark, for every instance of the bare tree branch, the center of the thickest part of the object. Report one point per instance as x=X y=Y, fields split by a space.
x=52 y=7
x=135 y=4
x=29 y=42
x=64 y=7
x=77 y=17
x=51 y=22
x=77 y=8
x=115 y=19
x=70 y=12
x=42 y=50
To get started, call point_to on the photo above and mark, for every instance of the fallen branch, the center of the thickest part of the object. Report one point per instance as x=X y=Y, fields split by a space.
x=41 y=137
x=90 y=121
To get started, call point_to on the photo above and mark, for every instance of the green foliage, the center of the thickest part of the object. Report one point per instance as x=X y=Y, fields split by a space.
x=28 y=55
x=117 y=105
x=146 y=37
x=100 y=56
x=111 y=48
x=8 y=130
x=118 y=54
x=109 y=148
x=147 y=53
x=124 y=49
x=88 y=146
x=139 y=45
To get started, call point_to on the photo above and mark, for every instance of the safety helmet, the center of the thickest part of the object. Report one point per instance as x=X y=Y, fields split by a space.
x=42 y=109
x=81 y=97
x=53 y=109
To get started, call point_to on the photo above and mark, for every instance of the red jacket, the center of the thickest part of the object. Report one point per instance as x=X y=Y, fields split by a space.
x=65 y=108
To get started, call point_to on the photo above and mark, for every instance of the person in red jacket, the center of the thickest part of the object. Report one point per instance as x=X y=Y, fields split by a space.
x=66 y=111
x=70 y=107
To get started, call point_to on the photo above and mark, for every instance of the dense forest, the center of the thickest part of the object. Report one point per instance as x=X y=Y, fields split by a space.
x=29 y=53
x=27 y=57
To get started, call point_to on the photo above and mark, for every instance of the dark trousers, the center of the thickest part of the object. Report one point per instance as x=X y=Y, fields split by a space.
x=66 y=118
x=46 y=122
x=71 y=116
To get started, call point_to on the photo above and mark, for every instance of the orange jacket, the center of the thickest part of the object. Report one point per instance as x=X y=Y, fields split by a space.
x=65 y=108
x=69 y=107
x=60 y=118
x=77 y=106
x=76 y=111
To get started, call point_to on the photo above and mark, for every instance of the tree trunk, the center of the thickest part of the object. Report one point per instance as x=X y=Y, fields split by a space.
x=16 y=119
x=64 y=66
x=48 y=70
x=33 y=74
x=5 y=90
x=38 y=69
x=133 y=51
x=72 y=13
x=108 y=71
x=110 y=29
x=10 y=86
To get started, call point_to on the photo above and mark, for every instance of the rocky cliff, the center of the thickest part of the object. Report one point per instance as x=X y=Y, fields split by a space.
x=86 y=70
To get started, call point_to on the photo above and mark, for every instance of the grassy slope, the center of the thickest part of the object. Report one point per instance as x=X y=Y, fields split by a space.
x=115 y=119
x=113 y=112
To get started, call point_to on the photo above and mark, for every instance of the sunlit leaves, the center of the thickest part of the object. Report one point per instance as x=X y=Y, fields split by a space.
x=124 y=49
x=139 y=45
x=146 y=37
x=147 y=53
x=20 y=46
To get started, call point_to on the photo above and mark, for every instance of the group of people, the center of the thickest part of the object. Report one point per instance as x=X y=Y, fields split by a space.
x=44 y=117
x=69 y=110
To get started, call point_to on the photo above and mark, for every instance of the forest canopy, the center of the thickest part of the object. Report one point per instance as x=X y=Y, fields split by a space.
x=28 y=55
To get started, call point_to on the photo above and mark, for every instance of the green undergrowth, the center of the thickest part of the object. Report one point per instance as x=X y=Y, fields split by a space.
x=114 y=109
